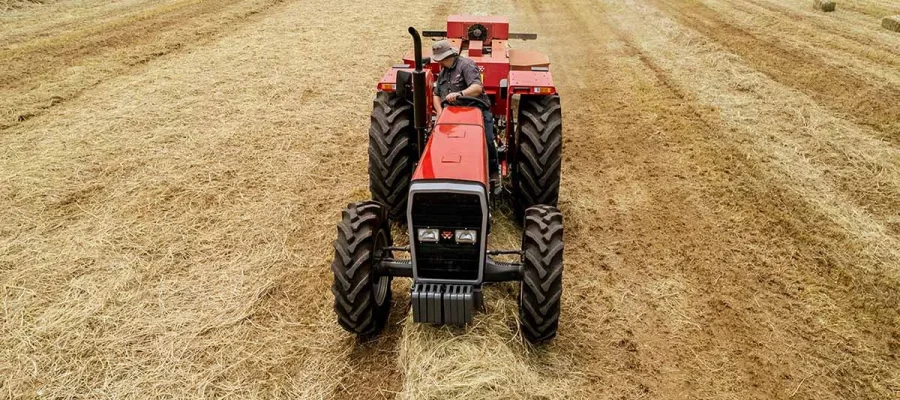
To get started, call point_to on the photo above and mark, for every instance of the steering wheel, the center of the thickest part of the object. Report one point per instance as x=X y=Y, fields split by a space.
x=445 y=103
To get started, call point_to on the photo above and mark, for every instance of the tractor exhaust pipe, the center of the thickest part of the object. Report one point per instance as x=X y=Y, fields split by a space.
x=419 y=103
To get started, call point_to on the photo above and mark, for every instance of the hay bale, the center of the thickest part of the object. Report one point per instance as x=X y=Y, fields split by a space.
x=824 y=5
x=891 y=23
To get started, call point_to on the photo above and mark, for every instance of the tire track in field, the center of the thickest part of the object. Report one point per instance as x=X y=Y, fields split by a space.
x=800 y=248
x=702 y=300
x=45 y=72
x=658 y=164
x=374 y=370
x=675 y=283
x=862 y=101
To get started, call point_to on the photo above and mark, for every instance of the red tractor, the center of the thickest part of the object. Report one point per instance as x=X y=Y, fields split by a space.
x=432 y=174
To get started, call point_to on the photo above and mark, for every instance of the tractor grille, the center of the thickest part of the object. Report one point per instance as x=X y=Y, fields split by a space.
x=446 y=259
x=450 y=261
x=457 y=210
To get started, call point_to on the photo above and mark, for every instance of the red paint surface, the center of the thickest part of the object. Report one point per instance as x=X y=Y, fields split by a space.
x=494 y=67
x=497 y=27
x=530 y=80
x=390 y=77
x=476 y=48
x=456 y=149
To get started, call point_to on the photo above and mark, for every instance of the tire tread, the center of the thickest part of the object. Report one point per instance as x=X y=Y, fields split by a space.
x=390 y=164
x=354 y=249
x=537 y=171
x=541 y=287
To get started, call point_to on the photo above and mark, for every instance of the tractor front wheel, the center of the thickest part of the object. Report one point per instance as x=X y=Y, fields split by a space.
x=362 y=300
x=390 y=153
x=539 y=156
x=541 y=286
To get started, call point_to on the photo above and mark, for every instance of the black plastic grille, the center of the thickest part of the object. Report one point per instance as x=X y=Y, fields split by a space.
x=447 y=212
x=457 y=210
x=447 y=261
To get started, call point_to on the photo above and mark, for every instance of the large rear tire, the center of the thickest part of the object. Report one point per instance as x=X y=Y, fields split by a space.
x=539 y=155
x=390 y=163
x=541 y=287
x=362 y=301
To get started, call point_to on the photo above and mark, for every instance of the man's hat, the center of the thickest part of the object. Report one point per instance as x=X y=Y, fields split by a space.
x=441 y=50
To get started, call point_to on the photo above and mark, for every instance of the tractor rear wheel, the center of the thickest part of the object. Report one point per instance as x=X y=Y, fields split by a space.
x=541 y=286
x=362 y=300
x=539 y=154
x=390 y=161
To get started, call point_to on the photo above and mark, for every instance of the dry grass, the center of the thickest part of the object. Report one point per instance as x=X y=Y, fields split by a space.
x=487 y=359
x=870 y=74
x=872 y=8
x=803 y=159
x=844 y=40
x=731 y=224
x=7 y=5
x=78 y=51
x=168 y=234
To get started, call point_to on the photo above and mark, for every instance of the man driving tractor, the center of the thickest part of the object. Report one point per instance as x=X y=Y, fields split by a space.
x=437 y=180
x=460 y=76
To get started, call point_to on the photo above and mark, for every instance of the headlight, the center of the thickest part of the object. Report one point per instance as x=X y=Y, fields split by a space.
x=428 y=235
x=467 y=236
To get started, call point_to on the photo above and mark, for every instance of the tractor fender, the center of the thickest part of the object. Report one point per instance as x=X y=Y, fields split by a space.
x=538 y=81
x=389 y=83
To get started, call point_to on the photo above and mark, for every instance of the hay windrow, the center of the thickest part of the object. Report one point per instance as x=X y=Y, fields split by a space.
x=485 y=360
x=7 y=5
x=169 y=234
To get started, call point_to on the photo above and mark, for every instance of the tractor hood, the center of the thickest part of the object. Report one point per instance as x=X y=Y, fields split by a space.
x=448 y=205
x=456 y=150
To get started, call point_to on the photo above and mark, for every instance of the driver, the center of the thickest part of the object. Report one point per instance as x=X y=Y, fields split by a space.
x=460 y=77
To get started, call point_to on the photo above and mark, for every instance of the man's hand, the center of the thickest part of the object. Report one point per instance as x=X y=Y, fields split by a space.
x=453 y=96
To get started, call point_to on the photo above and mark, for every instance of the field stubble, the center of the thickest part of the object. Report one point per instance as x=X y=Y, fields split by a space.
x=731 y=221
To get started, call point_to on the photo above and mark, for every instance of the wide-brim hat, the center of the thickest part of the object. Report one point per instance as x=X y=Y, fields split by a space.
x=441 y=50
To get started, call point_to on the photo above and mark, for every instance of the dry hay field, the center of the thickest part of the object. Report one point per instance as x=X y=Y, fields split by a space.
x=171 y=172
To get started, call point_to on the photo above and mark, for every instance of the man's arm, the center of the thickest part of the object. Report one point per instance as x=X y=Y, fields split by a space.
x=474 y=90
x=436 y=101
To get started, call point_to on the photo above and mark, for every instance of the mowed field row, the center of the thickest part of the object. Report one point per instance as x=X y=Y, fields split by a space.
x=172 y=172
